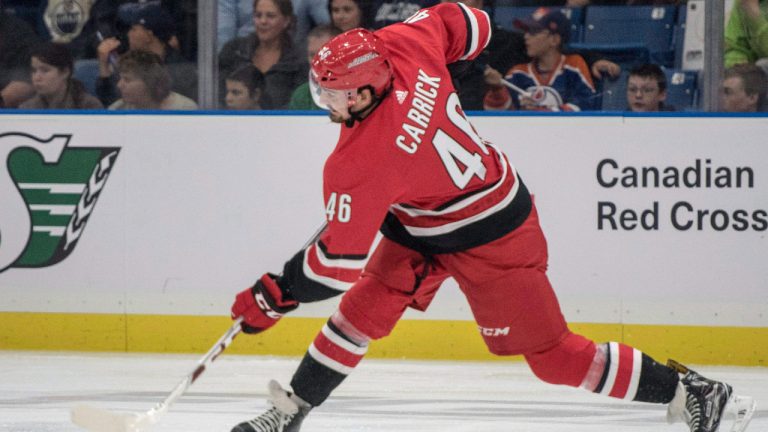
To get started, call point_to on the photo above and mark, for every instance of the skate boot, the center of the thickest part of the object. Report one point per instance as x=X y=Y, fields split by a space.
x=701 y=403
x=285 y=415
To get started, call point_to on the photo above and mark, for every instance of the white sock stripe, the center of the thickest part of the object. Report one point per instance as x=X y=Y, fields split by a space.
x=634 y=382
x=328 y=362
x=613 y=369
x=343 y=343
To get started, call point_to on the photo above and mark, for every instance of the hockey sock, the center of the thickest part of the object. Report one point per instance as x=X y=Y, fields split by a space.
x=333 y=355
x=623 y=372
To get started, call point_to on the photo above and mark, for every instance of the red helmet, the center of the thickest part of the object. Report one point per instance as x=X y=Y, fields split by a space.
x=353 y=59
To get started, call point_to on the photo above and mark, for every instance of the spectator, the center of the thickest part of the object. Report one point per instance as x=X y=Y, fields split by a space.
x=245 y=87
x=505 y=50
x=647 y=89
x=16 y=40
x=309 y=14
x=386 y=12
x=746 y=40
x=348 y=14
x=235 y=19
x=301 y=99
x=552 y=81
x=52 y=67
x=744 y=89
x=151 y=29
x=271 y=50
x=145 y=83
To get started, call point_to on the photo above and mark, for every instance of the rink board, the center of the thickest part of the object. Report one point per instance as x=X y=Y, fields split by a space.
x=177 y=213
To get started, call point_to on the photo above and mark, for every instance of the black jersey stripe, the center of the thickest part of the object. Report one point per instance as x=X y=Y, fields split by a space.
x=483 y=231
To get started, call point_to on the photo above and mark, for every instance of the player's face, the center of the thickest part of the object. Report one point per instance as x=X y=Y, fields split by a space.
x=643 y=94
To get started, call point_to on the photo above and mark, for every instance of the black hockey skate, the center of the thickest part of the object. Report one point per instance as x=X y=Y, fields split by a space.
x=701 y=403
x=285 y=415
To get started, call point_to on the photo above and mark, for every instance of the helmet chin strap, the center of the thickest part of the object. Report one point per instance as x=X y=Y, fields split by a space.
x=365 y=112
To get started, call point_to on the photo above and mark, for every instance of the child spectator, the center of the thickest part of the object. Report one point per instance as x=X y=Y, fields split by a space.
x=647 y=89
x=145 y=83
x=552 y=81
x=301 y=99
x=245 y=87
x=52 y=67
x=744 y=89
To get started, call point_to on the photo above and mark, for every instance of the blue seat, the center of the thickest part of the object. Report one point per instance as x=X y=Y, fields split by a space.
x=504 y=17
x=652 y=26
x=87 y=72
x=682 y=91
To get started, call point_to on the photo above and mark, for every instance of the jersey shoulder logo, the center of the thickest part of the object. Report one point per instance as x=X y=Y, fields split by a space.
x=49 y=191
x=401 y=95
x=418 y=16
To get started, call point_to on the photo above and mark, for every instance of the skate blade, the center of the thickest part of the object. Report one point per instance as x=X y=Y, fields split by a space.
x=740 y=409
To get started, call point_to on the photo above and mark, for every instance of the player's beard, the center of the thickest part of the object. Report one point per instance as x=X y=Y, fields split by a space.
x=336 y=117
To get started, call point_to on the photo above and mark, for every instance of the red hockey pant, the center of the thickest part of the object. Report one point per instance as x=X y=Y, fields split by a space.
x=507 y=288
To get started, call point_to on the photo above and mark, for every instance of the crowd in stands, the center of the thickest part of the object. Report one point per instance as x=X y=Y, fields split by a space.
x=142 y=54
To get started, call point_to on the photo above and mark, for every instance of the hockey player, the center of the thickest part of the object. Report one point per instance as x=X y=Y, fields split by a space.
x=408 y=163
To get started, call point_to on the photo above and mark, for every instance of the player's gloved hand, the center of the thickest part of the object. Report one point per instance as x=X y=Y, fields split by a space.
x=262 y=305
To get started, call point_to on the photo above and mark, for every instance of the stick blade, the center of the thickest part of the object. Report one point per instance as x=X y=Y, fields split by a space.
x=100 y=420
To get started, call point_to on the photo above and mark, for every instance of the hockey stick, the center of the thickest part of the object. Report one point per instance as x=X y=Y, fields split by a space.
x=100 y=420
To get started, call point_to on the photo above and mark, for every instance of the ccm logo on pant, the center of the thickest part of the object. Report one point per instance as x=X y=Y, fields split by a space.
x=487 y=331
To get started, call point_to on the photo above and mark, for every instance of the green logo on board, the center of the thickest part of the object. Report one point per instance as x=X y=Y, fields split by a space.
x=48 y=191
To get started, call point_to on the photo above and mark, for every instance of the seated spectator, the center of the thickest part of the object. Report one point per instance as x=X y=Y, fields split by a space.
x=151 y=29
x=271 y=50
x=744 y=89
x=552 y=81
x=309 y=14
x=245 y=87
x=145 y=83
x=348 y=14
x=16 y=40
x=746 y=40
x=647 y=89
x=52 y=67
x=235 y=19
x=386 y=12
x=301 y=99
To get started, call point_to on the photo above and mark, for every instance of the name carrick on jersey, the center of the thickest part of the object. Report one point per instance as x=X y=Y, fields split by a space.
x=415 y=168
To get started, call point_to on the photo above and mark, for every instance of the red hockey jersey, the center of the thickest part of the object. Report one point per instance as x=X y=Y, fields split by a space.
x=414 y=168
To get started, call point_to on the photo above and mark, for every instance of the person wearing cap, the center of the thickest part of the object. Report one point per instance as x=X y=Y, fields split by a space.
x=551 y=81
x=152 y=28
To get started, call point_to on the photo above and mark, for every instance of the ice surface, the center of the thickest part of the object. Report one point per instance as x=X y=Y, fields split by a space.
x=38 y=389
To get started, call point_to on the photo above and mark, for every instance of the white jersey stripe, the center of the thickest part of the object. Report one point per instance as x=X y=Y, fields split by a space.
x=463 y=203
x=634 y=382
x=453 y=226
x=613 y=364
x=325 y=280
x=339 y=263
x=328 y=362
x=474 y=33
x=343 y=343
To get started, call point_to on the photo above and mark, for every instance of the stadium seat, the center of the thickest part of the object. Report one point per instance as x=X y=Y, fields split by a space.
x=682 y=91
x=652 y=26
x=504 y=17
x=87 y=72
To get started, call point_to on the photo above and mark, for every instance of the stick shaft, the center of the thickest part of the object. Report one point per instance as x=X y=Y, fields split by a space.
x=515 y=88
x=209 y=357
